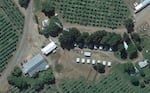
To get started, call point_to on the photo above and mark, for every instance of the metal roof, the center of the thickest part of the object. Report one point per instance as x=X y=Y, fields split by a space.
x=49 y=48
x=87 y=54
x=142 y=5
x=34 y=65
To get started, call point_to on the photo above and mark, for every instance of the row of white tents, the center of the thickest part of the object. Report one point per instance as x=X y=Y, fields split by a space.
x=93 y=61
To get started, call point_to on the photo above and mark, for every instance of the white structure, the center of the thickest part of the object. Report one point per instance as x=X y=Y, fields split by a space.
x=104 y=63
x=98 y=61
x=109 y=64
x=95 y=47
x=77 y=60
x=125 y=45
x=87 y=54
x=100 y=47
x=83 y=60
x=143 y=64
x=45 y=22
x=141 y=5
x=88 y=61
x=49 y=48
x=93 y=61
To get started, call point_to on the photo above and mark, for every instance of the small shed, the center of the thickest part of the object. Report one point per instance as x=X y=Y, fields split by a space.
x=88 y=61
x=87 y=54
x=143 y=64
x=100 y=47
x=77 y=60
x=109 y=64
x=104 y=63
x=83 y=60
x=93 y=61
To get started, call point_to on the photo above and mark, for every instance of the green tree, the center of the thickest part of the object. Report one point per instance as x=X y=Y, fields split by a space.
x=82 y=39
x=129 y=68
x=126 y=38
x=99 y=67
x=137 y=40
x=17 y=72
x=135 y=81
x=24 y=3
x=129 y=24
x=48 y=7
x=69 y=38
x=132 y=52
x=54 y=28
x=38 y=85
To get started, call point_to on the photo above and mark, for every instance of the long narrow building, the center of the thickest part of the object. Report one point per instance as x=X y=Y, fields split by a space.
x=142 y=5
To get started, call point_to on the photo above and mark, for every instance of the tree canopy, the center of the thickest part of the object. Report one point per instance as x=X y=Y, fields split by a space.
x=99 y=67
x=24 y=3
x=129 y=24
x=48 y=7
x=69 y=38
x=54 y=27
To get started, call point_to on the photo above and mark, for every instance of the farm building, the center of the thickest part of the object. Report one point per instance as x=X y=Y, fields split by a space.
x=45 y=22
x=143 y=64
x=87 y=54
x=125 y=45
x=49 y=48
x=34 y=65
x=141 y=5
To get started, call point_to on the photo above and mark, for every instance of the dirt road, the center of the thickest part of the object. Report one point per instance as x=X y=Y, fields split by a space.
x=16 y=60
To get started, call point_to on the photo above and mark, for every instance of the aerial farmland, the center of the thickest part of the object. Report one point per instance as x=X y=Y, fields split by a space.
x=74 y=46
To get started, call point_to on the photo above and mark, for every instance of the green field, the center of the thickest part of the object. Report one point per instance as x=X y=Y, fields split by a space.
x=103 y=13
x=11 y=24
x=115 y=82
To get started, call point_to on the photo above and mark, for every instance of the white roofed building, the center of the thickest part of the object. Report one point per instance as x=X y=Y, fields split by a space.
x=49 y=48
x=141 y=5
x=87 y=54
x=143 y=64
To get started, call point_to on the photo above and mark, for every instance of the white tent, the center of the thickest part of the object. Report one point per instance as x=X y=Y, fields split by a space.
x=87 y=54
x=83 y=60
x=104 y=63
x=77 y=60
x=125 y=45
x=49 y=48
x=88 y=61
x=142 y=5
x=93 y=61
